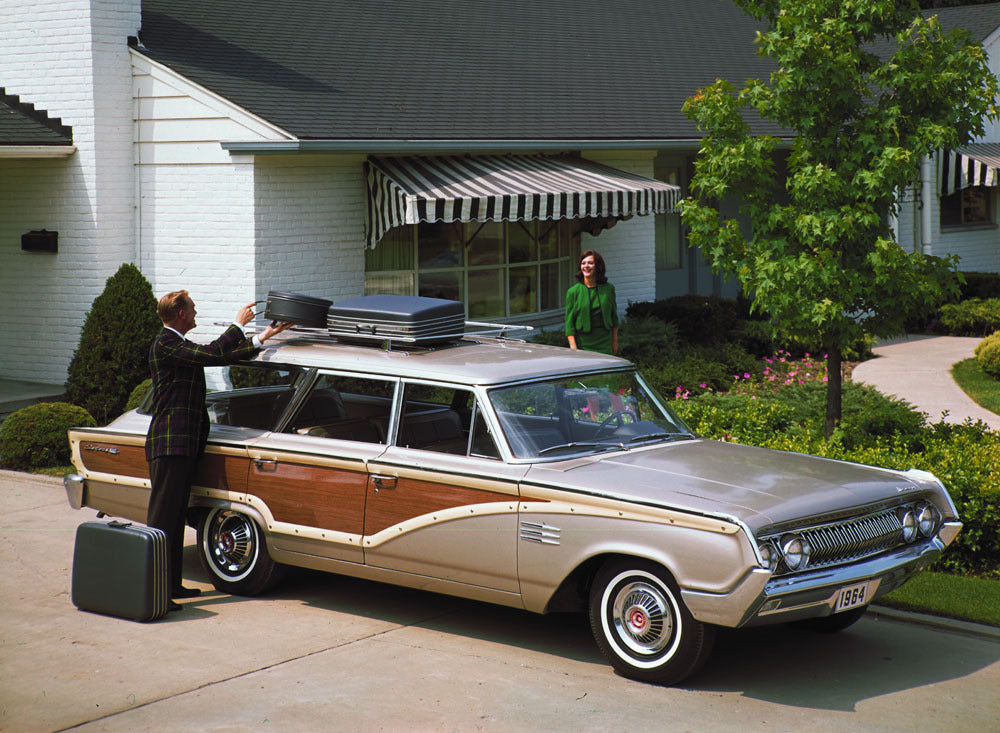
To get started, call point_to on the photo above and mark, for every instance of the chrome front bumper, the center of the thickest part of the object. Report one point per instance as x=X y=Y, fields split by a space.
x=760 y=599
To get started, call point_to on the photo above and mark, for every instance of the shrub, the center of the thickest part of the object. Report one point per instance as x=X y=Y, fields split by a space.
x=738 y=417
x=35 y=436
x=973 y=317
x=647 y=341
x=550 y=337
x=988 y=355
x=138 y=394
x=980 y=285
x=699 y=319
x=112 y=358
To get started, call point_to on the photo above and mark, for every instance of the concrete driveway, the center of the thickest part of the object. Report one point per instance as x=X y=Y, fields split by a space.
x=329 y=653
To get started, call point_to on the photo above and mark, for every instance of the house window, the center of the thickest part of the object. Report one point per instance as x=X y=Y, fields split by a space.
x=498 y=269
x=970 y=206
x=668 y=227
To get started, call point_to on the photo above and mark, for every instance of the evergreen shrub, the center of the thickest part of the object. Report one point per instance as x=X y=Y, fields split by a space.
x=138 y=394
x=980 y=285
x=112 y=357
x=988 y=355
x=699 y=319
x=35 y=436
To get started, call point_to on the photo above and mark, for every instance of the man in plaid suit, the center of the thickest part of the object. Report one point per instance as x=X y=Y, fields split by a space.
x=179 y=427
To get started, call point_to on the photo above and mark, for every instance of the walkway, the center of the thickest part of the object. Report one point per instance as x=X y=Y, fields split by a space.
x=918 y=370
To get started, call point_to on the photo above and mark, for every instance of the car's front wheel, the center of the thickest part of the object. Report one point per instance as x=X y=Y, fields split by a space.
x=643 y=627
x=234 y=553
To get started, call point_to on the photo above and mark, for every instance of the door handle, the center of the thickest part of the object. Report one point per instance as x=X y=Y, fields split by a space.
x=266 y=464
x=383 y=482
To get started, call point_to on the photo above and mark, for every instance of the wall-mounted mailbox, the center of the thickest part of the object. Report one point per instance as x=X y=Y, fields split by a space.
x=42 y=241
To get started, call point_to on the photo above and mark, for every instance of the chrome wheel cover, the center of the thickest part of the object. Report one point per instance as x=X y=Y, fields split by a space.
x=231 y=544
x=641 y=619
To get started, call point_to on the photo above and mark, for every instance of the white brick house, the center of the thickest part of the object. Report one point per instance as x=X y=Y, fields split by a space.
x=222 y=149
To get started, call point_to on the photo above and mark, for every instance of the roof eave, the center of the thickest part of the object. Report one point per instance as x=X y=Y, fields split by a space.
x=442 y=146
x=36 y=151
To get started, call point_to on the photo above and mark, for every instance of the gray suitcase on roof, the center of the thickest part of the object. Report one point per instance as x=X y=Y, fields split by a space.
x=406 y=319
x=120 y=570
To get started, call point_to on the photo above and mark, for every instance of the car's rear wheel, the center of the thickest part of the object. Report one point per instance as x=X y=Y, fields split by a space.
x=234 y=553
x=832 y=624
x=642 y=626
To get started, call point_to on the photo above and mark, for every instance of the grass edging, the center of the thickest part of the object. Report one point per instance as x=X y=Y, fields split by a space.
x=979 y=386
x=961 y=597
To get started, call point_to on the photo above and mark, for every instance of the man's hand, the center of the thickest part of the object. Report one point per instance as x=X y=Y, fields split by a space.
x=273 y=329
x=245 y=315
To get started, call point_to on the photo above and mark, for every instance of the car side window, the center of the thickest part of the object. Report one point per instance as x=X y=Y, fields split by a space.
x=440 y=419
x=260 y=396
x=346 y=408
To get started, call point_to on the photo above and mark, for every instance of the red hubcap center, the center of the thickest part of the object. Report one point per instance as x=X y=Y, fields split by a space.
x=228 y=543
x=638 y=619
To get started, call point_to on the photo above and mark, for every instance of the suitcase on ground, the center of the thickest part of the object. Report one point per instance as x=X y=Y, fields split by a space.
x=404 y=319
x=121 y=570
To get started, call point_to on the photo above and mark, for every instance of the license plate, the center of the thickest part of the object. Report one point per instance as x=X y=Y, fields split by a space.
x=855 y=595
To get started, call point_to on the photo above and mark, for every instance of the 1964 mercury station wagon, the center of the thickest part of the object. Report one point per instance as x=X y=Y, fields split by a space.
x=530 y=476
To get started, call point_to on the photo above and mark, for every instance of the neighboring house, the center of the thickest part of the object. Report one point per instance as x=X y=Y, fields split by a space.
x=232 y=148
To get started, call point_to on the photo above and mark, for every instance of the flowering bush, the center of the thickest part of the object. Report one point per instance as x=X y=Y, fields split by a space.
x=781 y=370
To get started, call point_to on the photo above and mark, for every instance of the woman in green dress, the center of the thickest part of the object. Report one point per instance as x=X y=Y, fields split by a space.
x=591 y=310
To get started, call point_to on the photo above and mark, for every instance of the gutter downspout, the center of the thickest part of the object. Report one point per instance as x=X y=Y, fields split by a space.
x=926 y=245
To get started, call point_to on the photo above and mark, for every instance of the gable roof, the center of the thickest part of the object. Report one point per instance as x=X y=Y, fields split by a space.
x=21 y=124
x=458 y=69
x=560 y=70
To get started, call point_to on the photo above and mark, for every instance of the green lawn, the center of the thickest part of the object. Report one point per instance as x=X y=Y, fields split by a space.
x=953 y=596
x=983 y=389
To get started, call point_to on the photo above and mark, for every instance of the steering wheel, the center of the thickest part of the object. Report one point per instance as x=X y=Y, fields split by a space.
x=616 y=416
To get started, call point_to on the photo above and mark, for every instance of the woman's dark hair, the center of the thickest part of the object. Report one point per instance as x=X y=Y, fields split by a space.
x=599 y=268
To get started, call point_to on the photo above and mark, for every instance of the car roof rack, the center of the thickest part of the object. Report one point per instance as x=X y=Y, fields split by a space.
x=478 y=329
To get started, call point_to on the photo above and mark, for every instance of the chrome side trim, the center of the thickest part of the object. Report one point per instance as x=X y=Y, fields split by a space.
x=540 y=532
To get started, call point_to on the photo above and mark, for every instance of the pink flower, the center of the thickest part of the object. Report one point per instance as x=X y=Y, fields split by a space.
x=746 y=375
x=703 y=385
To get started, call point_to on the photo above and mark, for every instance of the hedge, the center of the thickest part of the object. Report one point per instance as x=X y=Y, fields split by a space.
x=35 y=436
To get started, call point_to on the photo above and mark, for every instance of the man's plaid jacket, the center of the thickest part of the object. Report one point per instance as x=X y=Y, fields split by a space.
x=180 y=424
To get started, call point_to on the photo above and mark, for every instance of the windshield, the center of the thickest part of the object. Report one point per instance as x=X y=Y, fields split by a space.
x=583 y=414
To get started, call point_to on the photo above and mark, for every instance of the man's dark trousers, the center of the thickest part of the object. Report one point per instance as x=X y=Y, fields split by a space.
x=171 y=478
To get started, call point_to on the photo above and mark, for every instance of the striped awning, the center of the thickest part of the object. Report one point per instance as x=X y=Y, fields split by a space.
x=971 y=165
x=504 y=188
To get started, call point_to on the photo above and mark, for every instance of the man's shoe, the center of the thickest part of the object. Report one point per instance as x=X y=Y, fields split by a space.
x=183 y=592
x=171 y=606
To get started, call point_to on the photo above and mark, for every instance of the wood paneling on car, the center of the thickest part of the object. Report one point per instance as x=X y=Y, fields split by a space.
x=116 y=458
x=313 y=496
x=413 y=498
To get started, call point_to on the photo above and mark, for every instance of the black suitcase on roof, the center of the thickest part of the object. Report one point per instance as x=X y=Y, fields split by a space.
x=406 y=319
x=120 y=570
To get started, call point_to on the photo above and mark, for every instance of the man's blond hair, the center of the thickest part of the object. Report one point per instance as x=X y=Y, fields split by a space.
x=171 y=303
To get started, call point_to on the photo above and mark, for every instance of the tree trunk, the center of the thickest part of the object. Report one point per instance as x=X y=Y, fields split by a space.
x=834 y=389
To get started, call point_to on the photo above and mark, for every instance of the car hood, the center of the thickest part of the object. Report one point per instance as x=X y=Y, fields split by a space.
x=756 y=485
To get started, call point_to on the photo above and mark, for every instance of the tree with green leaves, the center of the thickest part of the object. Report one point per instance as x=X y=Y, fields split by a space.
x=865 y=88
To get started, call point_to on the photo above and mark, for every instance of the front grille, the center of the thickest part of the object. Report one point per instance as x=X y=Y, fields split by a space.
x=853 y=539
x=845 y=540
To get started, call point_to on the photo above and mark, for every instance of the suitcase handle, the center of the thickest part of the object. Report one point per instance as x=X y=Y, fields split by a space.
x=119 y=524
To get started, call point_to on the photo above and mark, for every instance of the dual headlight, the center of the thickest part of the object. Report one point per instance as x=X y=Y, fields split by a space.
x=920 y=520
x=791 y=549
